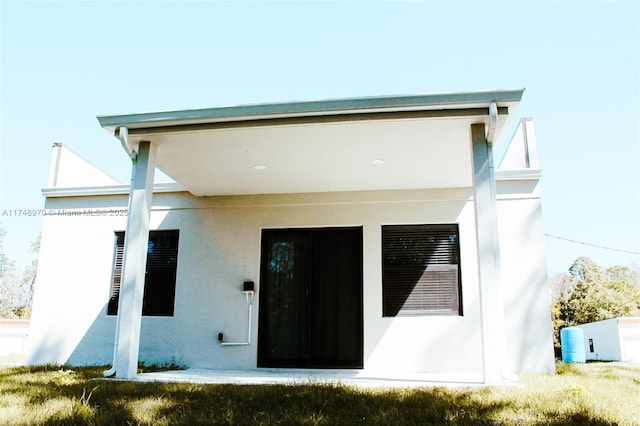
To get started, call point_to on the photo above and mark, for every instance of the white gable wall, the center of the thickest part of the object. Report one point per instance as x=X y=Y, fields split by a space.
x=69 y=169
x=523 y=267
x=522 y=151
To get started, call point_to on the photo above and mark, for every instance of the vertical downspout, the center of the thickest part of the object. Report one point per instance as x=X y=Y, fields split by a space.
x=490 y=138
x=123 y=135
x=491 y=134
x=493 y=122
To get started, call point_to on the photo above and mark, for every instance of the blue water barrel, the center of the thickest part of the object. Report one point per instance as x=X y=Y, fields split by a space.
x=572 y=343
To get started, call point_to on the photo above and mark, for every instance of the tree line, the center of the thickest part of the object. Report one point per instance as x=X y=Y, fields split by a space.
x=16 y=286
x=588 y=293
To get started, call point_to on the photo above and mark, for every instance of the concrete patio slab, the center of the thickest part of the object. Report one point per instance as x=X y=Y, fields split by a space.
x=358 y=378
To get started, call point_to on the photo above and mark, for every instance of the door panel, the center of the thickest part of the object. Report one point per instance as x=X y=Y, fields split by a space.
x=336 y=327
x=311 y=298
x=283 y=298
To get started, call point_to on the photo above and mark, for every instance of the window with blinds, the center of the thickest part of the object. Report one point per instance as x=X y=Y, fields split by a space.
x=160 y=278
x=421 y=270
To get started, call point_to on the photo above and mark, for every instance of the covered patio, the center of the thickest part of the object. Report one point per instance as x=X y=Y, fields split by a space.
x=392 y=143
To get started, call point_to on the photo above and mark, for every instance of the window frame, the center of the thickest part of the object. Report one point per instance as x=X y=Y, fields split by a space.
x=407 y=273
x=155 y=303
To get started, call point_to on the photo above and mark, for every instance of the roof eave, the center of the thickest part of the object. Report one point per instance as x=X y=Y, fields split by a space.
x=313 y=108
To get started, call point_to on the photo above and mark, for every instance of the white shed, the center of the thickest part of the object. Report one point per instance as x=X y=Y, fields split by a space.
x=615 y=339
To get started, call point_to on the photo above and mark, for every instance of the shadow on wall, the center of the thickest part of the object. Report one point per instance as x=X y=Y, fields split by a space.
x=529 y=331
x=208 y=300
x=97 y=345
x=213 y=262
x=76 y=330
x=448 y=344
x=430 y=343
x=528 y=307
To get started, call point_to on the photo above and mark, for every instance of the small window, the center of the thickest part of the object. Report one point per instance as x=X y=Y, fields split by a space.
x=591 y=345
x=421 y=270
x=160 y=278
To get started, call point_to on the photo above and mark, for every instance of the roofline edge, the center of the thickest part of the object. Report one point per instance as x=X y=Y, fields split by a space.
x=313 y=107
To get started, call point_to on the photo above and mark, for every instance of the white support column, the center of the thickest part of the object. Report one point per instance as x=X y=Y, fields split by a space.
x=134 y=262
x=486 y=214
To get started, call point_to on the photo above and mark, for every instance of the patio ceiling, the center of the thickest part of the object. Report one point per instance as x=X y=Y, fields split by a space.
x=345 y=145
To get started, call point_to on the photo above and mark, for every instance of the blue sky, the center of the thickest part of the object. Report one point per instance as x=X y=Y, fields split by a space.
x=63 y=63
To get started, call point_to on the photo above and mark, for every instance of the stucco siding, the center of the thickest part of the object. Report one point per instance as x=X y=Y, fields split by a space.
x=528 y=328
x=219 y=248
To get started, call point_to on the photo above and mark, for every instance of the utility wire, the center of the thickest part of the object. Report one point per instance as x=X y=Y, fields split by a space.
x=591 y=245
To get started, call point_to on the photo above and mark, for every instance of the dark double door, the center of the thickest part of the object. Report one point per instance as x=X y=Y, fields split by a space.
x=311 y=298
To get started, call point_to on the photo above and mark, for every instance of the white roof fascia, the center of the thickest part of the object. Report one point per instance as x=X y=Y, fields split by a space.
x=442 y=101
x=122 y=189
x=519 y=174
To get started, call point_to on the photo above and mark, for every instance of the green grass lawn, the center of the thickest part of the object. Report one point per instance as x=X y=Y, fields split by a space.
x=595 y=393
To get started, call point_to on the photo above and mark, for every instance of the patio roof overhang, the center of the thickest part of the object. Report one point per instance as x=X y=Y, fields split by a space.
x=401 y=142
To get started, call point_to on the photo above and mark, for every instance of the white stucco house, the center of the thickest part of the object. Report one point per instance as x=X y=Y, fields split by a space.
x=370 y=233
x=615 y=339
